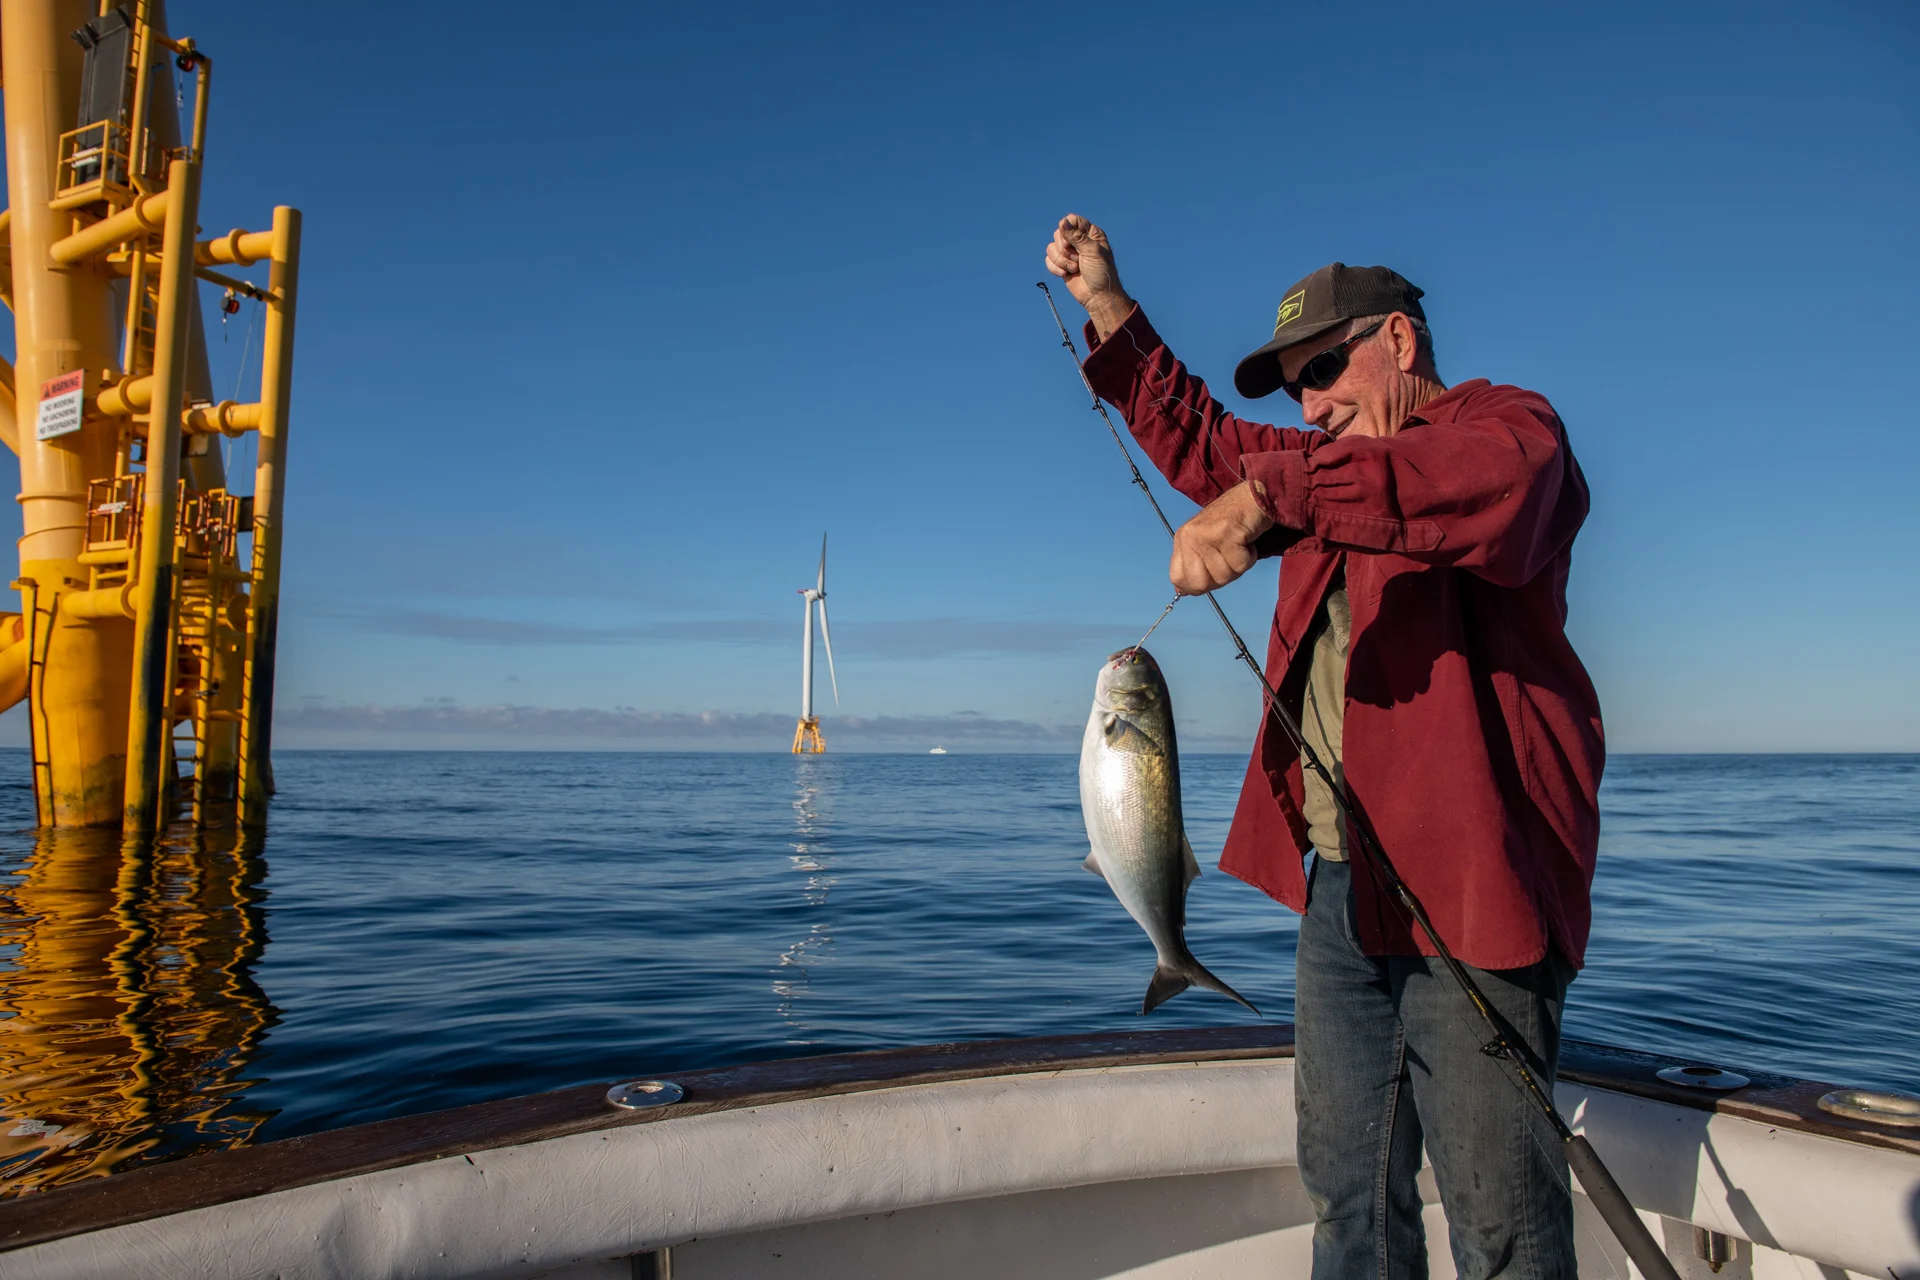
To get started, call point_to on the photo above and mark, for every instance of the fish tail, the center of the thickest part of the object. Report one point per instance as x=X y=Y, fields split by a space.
x=1169 y=980
x=1166 y=983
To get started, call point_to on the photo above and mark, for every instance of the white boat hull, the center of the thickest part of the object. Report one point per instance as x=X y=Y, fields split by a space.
x=1167 y=1170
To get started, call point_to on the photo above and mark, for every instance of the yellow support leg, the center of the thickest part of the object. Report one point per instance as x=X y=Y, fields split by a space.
x=806 y=737
x=269 y=497
x=63 y=322
x=155 y=589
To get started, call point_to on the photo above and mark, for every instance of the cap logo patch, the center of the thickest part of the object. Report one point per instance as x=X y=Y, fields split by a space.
x=1290 y=308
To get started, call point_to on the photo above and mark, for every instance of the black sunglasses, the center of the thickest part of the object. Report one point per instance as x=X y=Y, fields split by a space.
x=1325 y=369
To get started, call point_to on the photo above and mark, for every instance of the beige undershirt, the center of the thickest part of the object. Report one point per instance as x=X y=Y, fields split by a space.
x=1321 y=717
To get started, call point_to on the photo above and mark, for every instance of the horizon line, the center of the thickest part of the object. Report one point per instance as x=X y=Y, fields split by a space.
x=854 y=751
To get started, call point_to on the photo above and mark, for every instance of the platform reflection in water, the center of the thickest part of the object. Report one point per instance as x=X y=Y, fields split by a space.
x=130 y=1013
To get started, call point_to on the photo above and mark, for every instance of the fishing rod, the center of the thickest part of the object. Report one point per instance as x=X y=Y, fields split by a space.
x=1595 y=1179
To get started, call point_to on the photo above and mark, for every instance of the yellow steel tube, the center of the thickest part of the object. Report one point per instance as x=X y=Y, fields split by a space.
x=142 y=65
x=98 y=603
x=135 y=395
x=202 y=89
x=137 y=219
x=14 y=652
x=129 y=395
x=151 y=705
x=13 y=674
x=6 y=257
x=136 y=299
x=220 y=769
x=63 y=321
x=225 y=417
x=237 y=246
x=9 y=413
x=269 y=498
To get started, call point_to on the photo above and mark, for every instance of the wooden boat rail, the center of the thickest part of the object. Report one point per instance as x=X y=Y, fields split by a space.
x=224 y=1176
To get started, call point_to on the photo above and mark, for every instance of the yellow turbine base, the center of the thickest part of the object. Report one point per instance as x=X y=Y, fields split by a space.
x=806 y=737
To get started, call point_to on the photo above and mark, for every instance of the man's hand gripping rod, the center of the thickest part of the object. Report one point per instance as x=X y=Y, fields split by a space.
x=1598 y=1183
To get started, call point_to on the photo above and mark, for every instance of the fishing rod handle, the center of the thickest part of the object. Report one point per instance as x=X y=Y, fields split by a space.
x=1627 y=1226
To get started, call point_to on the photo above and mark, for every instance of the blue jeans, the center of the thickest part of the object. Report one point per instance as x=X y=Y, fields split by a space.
x=1389 y=1055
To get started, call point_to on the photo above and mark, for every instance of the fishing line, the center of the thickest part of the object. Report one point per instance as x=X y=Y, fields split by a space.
x=1209 y=453
x=1601 y=1189
x=1156 y=622
x=240 y=371
x=226 y=444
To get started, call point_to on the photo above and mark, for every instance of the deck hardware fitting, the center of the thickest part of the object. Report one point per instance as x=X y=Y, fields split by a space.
x=1875 y=1106
x=654 y=1264
x=1712 y=1248
x=1703 y=1077
x=636 y=1095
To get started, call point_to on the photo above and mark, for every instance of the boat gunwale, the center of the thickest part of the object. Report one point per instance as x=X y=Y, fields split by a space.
x=239 y=1173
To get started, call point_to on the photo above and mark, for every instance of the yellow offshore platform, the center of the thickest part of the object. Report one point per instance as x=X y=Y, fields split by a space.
x=149 y=591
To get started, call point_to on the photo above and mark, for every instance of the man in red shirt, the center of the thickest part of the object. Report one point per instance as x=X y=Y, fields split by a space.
x=1426 y=536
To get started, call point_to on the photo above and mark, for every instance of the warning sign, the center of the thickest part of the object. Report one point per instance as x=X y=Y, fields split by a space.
x=62 y=401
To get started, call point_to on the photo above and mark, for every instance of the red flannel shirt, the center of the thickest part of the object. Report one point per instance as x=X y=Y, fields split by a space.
x=1472 y=738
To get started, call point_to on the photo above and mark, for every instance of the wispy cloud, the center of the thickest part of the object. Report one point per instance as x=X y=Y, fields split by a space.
x=319 y=723
x=956 y=637
x=503 y=632
x=898 y=638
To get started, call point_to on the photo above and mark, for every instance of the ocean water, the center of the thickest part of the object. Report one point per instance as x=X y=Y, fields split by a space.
x=422 y=930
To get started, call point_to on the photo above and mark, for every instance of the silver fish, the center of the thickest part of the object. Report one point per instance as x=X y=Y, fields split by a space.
x=1130 y=798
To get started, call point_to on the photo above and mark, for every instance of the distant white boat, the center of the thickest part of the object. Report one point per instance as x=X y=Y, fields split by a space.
x=938 y=751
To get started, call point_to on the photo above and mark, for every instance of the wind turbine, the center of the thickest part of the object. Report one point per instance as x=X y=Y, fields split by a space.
x=806 y=735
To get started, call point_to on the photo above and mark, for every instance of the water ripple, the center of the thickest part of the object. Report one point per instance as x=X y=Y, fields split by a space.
x=446 y=928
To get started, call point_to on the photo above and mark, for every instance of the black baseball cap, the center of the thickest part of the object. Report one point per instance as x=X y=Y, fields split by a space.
x=1333 y=295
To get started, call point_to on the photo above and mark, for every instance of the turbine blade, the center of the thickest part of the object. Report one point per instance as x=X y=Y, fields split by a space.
x=821 y=585
x=827 y=636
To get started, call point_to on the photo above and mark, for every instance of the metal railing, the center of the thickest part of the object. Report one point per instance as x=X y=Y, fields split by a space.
x=96 y=164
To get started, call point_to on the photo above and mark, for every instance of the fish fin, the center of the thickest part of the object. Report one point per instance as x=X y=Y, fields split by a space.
x=1186 y=856
x=1164 y=986
x=1123 y=734
x=1199 y=976
x=1093 y=864
x=1170 y=980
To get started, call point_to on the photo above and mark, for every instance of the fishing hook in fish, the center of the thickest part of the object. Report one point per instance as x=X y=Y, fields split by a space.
x=1594 y=1175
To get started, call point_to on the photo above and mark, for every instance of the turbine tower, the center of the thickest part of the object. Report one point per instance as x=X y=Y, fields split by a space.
x=806 y=735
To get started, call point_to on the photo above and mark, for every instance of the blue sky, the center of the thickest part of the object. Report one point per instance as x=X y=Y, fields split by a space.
x=607 y=313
